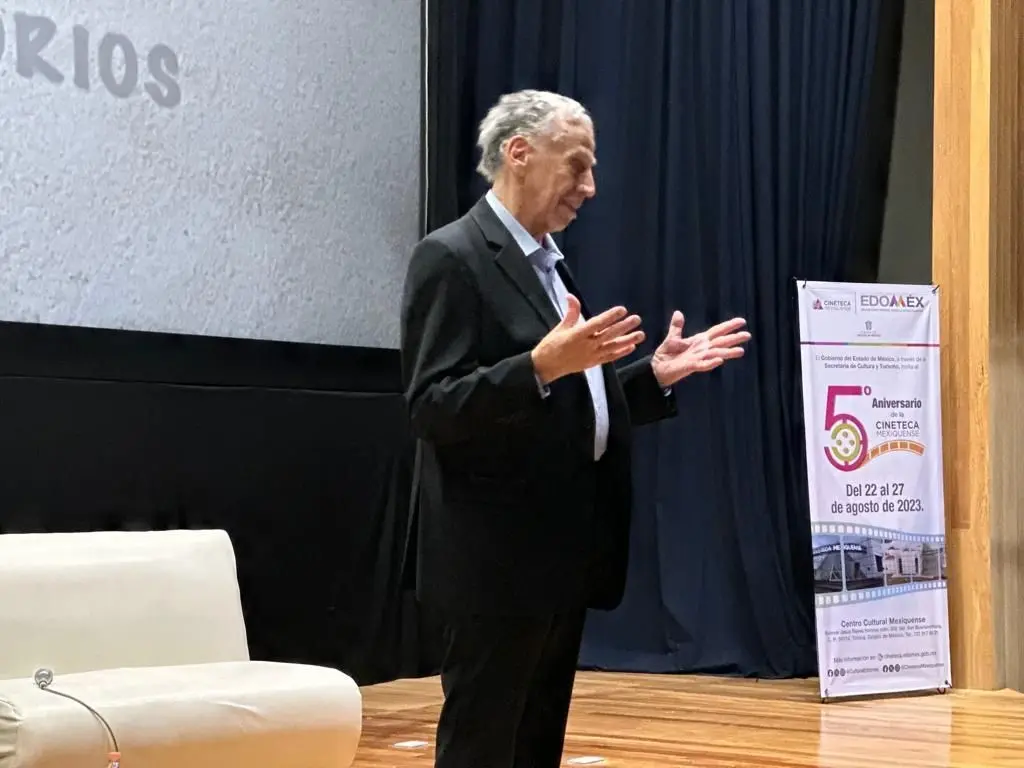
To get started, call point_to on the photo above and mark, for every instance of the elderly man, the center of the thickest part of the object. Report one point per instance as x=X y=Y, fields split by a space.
x=524 y=429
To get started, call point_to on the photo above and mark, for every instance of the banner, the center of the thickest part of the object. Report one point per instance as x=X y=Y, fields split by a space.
x=873 y=426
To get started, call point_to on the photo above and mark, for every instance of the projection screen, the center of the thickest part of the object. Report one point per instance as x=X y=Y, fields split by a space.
x=245 y=169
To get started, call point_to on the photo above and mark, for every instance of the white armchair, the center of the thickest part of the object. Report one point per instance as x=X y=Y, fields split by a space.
x=147 y=629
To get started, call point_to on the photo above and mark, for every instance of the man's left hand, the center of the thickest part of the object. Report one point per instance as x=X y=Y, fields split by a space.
x=677 y=357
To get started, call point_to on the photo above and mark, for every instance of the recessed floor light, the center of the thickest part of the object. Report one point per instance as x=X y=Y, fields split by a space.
x=409 y=744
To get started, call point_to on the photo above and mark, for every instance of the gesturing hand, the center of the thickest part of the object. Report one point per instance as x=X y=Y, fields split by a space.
x=573 y=346
x=677 y=357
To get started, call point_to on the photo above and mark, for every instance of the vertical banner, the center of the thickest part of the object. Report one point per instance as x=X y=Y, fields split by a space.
x=873 y=426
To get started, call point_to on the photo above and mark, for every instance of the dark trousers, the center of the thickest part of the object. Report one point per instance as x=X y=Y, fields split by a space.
x=507 y=685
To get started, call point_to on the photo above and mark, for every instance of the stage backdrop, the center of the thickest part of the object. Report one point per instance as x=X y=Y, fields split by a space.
x=739 y=144
x=240 y=169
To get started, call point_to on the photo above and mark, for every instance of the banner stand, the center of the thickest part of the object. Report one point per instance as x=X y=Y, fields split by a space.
x=873 y=432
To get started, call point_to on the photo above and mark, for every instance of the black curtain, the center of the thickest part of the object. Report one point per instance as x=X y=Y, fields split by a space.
x=741 y=144
x=301 y=453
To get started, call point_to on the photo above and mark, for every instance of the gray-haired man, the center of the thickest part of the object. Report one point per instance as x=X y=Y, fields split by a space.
x=524 y=426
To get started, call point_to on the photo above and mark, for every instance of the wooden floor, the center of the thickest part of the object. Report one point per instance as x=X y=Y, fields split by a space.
x=658 y=720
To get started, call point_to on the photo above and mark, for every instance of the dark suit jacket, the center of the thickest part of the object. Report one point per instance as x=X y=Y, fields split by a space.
x=514 y=516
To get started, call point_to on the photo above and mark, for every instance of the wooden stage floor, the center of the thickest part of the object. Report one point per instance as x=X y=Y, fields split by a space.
x=659 y=720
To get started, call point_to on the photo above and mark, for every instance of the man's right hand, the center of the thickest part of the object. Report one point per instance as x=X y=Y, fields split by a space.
x=573 y=346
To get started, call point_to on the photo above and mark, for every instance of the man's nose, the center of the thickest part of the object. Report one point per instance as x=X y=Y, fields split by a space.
x=588 y=185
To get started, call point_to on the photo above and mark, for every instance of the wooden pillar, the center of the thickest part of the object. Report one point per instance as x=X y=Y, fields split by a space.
x=976 y=238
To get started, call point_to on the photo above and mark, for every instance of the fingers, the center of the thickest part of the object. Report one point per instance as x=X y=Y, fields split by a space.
x=612 y=351
x=572 y=313
x=603 y=321
x=633 y=340
x=730 y=340
x=728 y=353
x=605 y=338
x=674 y=346
x=708 y=364
x=619 y=328
x=616 y=338
x=619 y=339
x=727 y=327
x=720 y=348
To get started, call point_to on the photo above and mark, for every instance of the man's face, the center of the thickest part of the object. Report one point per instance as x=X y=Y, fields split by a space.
x=556 y=173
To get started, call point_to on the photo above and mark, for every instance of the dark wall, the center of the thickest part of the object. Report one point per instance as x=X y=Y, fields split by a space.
x=300 y=452
x=906 y=247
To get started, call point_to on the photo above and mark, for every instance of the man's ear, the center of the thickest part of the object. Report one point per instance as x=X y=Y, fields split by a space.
x=517 y=152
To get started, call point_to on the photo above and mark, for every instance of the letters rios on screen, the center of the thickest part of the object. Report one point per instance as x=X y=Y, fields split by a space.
x=29 y=39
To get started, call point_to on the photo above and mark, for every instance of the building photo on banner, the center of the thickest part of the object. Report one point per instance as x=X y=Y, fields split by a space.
x=873 y=429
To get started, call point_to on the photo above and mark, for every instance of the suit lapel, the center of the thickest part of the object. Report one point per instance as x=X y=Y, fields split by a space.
x=513 y=262
x=519 y=270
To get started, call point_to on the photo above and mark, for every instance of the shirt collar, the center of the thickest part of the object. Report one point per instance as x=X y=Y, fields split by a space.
x=526 y=242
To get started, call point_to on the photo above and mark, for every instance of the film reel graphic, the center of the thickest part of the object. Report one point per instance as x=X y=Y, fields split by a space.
x=848 y=446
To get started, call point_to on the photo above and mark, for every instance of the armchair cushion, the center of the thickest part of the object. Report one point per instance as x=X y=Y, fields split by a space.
x=201 y=716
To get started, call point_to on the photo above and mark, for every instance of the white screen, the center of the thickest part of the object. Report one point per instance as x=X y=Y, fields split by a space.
x=246 y=169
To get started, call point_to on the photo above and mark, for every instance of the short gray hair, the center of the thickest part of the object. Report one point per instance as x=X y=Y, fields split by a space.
x=523 y=113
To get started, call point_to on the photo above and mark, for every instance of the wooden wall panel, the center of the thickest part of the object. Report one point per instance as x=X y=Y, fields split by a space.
x=1006 y=341
x=976 y=244
x=960 y=269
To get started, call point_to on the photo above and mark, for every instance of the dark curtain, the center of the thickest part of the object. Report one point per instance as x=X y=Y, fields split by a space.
x=300 y=452
x=741 y=144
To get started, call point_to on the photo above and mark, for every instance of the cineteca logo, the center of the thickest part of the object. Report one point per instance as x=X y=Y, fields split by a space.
x=896 y=423
x=838 y=301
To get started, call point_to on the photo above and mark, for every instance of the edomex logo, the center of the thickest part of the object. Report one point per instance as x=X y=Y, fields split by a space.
x=848 y=447
x=892 y=302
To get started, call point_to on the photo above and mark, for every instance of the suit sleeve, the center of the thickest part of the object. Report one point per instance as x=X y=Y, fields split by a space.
x=451 y=396
x=647 y=401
